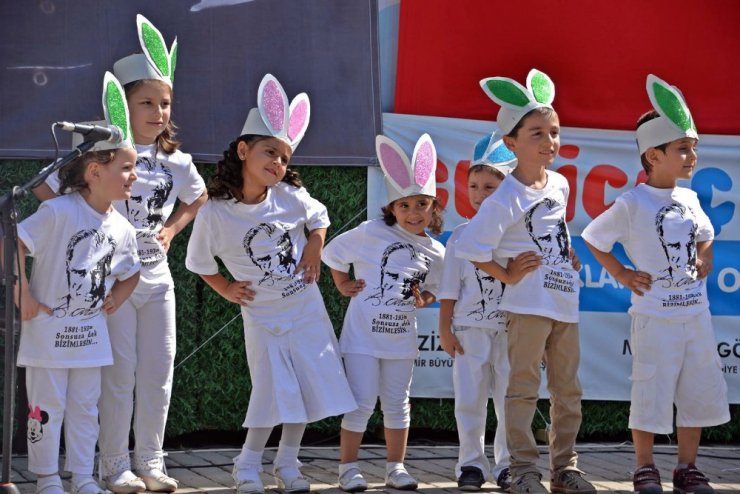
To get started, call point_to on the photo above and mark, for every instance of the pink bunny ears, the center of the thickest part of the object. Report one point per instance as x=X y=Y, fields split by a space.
x=404 y=178
x=274 y=117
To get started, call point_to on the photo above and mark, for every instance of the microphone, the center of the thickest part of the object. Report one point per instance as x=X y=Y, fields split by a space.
x=94 y=133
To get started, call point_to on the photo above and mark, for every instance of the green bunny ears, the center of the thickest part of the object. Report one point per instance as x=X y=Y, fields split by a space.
x=157 y=62
x=675 y=120
x=516 y=100
x=116 y=108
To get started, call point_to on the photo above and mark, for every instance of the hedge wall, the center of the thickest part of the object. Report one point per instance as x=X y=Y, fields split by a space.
x=211 y=388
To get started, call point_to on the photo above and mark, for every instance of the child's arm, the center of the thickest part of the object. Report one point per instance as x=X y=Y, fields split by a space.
x=346 y=286
x=119 y=292
x=24 y=299
x=237 y=292
x=310 y=262
x=450 y=343
x=43 y=192
x=704 y=261
x=637 y=281
x=423 y=298
x=178 y=220
x=515 y=269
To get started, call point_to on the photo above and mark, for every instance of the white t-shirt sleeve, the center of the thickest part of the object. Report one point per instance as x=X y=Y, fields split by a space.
x=132 y=263
x=452 y=272
x=200 y=258
x=609 y=227
x=53 y=182
x=434 y=277
x=34 y=230
x=340 y=253
x=705 y=230
x=194 y=185
x=484 y=232
x=316 y=214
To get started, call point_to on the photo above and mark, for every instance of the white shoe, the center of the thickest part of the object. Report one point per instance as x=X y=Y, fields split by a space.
x=291 y=480
x=124 y=483
x=156 y=481
x=352 y=481
x=400 y=479
x=247 y=481
x=51 y=486
x=87 y=486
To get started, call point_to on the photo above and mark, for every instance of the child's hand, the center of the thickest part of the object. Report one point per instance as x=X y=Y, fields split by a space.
x=524 y=263
x=310 y=263
x=574 y=261
x=109 y=304
x=637 y=281
x=451 y=344
x=165 y=236
x=422 y=298
x=703 y=267
x=238 y=292
x=350 y=288
x=30 y=307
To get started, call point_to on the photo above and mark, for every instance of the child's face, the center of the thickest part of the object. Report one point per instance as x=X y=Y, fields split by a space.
x=413 y=213
x=481 y=184
x=676 y=163
x=150 y=106
x=264 y=161
x=114 y=179
x=538 y=141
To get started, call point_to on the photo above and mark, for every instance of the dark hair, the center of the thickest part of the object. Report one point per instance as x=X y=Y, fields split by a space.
x=489 y=169
x=435 y=226
x=545 y=111
x=72 y=176
x=166 y=140
x=227 y=182
x=646 y=117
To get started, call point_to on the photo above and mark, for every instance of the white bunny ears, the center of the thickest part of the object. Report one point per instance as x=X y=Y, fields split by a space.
x=675 y=121
x=274 y=117
x=404 y=178
x=156 y=62
x=116 y=113
x=491 y=151
x=517 y=100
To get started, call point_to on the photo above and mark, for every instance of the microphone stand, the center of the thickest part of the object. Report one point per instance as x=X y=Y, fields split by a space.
x=9 y=220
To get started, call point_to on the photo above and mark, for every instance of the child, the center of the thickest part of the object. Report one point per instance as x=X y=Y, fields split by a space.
x=397 y=268
x=468 y=301
x=668 y=239
x=255 y=223
x=85 y=266
x=528 y=210
x=143 y=330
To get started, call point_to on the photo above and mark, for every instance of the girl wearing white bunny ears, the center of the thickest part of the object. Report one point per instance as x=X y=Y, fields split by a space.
x=397 y=269
x=256 y=223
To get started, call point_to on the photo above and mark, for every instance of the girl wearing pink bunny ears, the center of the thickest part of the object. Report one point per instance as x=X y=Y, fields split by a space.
x=397 y=269
x=256 y=222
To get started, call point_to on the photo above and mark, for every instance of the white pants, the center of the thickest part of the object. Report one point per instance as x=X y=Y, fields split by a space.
x=482 y=371
x=369 y=378
x=142 y=334
x=56 y=396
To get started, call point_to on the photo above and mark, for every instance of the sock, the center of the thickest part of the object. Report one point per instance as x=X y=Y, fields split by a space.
x=248 y=464
x=90 y=486
x=343 y=467
x=681 y=466
x=393 y=465
x=43 y=482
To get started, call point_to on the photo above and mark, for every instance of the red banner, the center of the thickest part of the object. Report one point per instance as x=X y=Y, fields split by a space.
x=597 y=52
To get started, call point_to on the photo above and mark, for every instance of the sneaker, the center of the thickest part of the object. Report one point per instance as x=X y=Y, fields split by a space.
x=504 y=479
x=528 y=483
x=471 y=479
x=247 y=481
x=291 y=480
x=157 y=481
x=124 y=483
x=646 y=480
x=690 y=480
x=352 y=481
x=571 y=482
x=401 y=480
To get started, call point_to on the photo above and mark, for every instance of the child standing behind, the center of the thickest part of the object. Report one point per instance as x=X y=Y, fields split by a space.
x=528 y=212
x=397 y=269
x=668 y=239
x=85 y=266
x=255 y=221
x=473 y=332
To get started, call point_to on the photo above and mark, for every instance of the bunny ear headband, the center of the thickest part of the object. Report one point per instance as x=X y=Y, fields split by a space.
x=674 y=122
x=517 y=100
x=404 y=178
x=156 y=63
x=116 y=113
x=491 y=151
x=274 y=117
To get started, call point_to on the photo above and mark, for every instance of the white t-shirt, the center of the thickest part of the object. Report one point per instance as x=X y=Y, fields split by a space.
x=516 y=219
x=478 y=294
x=659 y=229
x=78 y=255
x=262 y=243
x=159 y=183
x=381 y=320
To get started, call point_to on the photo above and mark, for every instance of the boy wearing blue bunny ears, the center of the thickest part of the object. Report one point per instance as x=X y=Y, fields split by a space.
x=668 y=239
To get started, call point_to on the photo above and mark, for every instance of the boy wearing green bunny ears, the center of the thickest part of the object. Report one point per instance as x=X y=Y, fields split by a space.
x=668 y=239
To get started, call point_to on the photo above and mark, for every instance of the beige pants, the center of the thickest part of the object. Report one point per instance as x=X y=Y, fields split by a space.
x=532 y=340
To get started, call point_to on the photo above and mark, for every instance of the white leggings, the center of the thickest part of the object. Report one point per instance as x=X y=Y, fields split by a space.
x=142 y=334
x=369 y=378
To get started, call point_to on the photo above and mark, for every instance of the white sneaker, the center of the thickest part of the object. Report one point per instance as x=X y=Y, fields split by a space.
x=291 y=480
x=155 y=480
x=248 y=481
x=124 y=483
x=352 y=481
x=401 y=480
